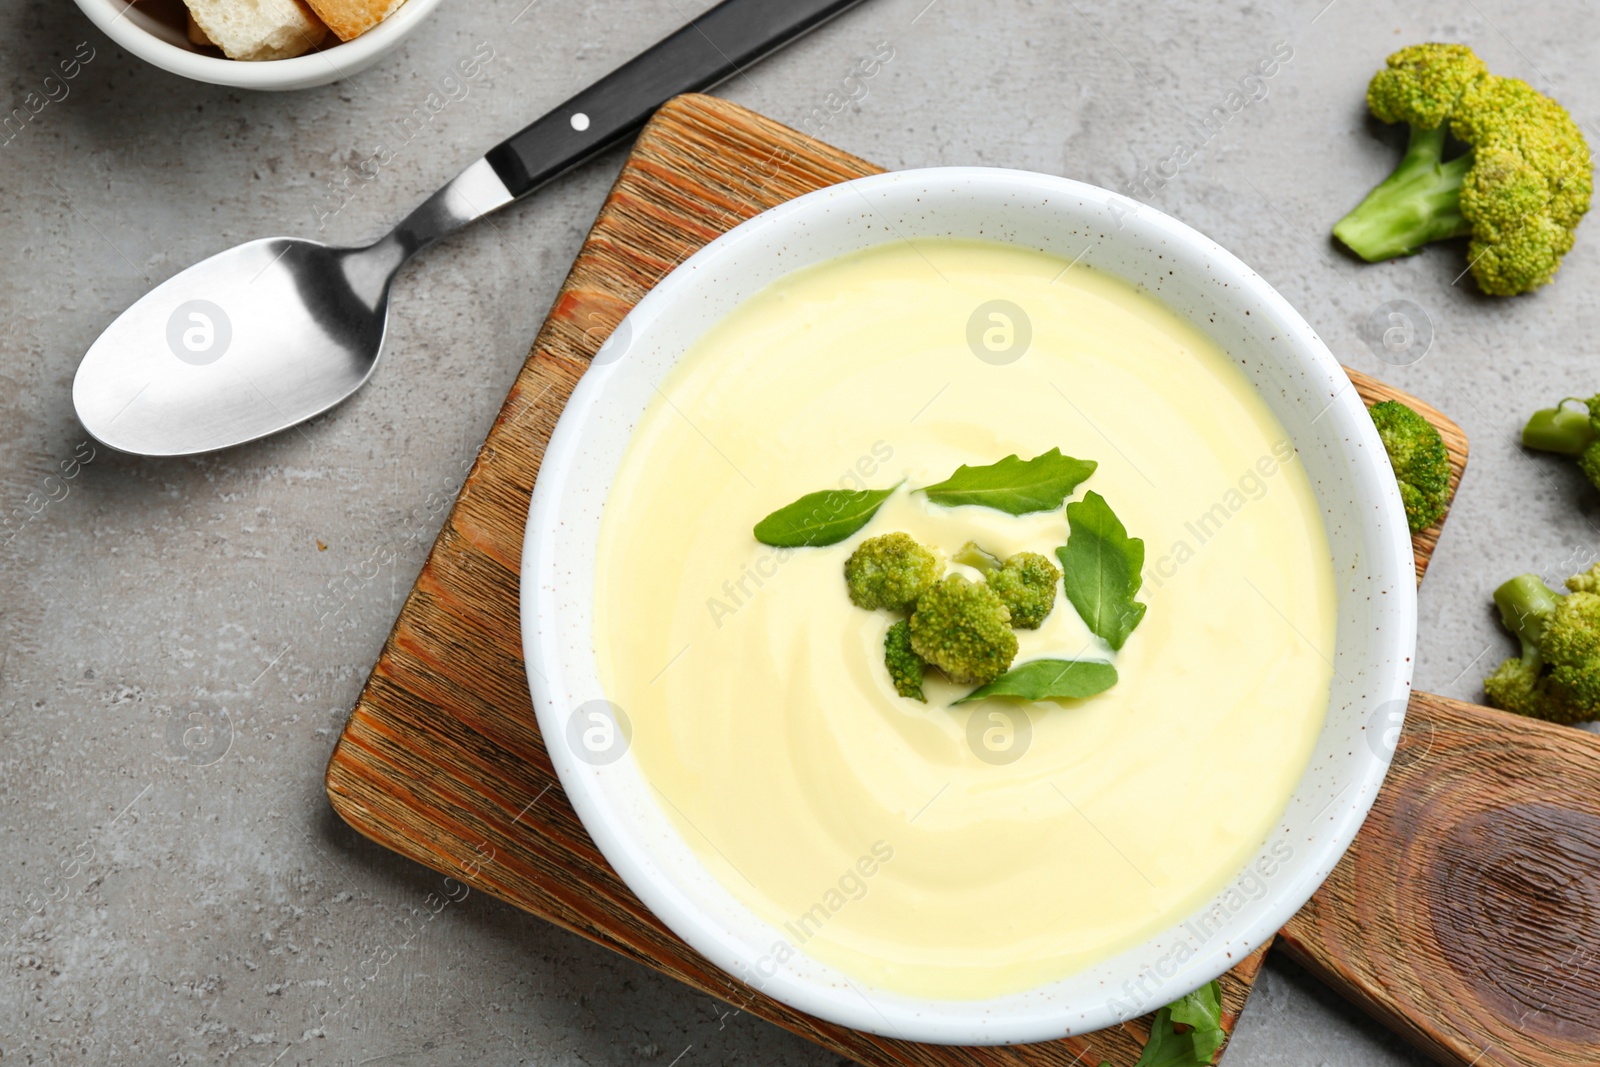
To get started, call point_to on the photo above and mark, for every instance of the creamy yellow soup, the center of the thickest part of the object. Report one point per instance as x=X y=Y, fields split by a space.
x=973 y=851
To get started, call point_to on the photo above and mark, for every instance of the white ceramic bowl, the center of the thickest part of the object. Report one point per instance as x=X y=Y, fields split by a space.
x=156 y=41
x=1276 y=349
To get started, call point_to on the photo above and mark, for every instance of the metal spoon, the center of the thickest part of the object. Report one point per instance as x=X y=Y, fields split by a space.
x=273 y=332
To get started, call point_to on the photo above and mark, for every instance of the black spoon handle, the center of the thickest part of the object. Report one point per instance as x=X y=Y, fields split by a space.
x=711 y=48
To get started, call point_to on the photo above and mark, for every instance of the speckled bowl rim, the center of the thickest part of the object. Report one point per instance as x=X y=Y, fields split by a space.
x=341 y=61
x=1294 y=372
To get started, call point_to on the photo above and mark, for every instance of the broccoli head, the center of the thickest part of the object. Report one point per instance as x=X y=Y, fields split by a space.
x=1518 y=189
x=1569 y=432
x=1026 y=585
x=891 y=571
x=1557 y=677
x=905 y=666
x=1421 y=464
x=964 y=629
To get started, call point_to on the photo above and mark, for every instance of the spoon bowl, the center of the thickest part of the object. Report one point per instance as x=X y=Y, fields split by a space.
x=236 y=347
x=260 y=337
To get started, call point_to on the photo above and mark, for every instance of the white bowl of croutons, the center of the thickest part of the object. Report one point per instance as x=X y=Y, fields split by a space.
x=260 y=44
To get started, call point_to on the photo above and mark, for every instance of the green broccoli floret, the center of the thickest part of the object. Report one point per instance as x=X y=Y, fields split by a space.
x=964 y=629
x=1557 y=677
x=905 y=666
x=1421 y=464
x=891 y=571
x=1570 y=433
x=1026 y=585
x=1518 y=189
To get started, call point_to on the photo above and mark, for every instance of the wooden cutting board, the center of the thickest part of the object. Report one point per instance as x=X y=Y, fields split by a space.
x=442 y=760
x=1466 y=916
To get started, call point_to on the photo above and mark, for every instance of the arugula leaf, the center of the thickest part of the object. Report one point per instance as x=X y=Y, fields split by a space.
x=1100 y=564
x=824 y=518
x=1014 y=486
x=1049 y=679
x=1201 y=1013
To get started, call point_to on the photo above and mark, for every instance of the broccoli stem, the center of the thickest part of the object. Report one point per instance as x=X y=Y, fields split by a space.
x=974 y=556
x=1559 y=429
x=1525 y=604
x=1420 y=202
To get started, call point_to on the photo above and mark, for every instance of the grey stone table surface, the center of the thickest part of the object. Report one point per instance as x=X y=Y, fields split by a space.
x=181 y=641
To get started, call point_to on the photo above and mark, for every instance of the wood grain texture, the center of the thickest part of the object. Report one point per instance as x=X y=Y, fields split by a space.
x=442 y=760
x=1466 y=916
